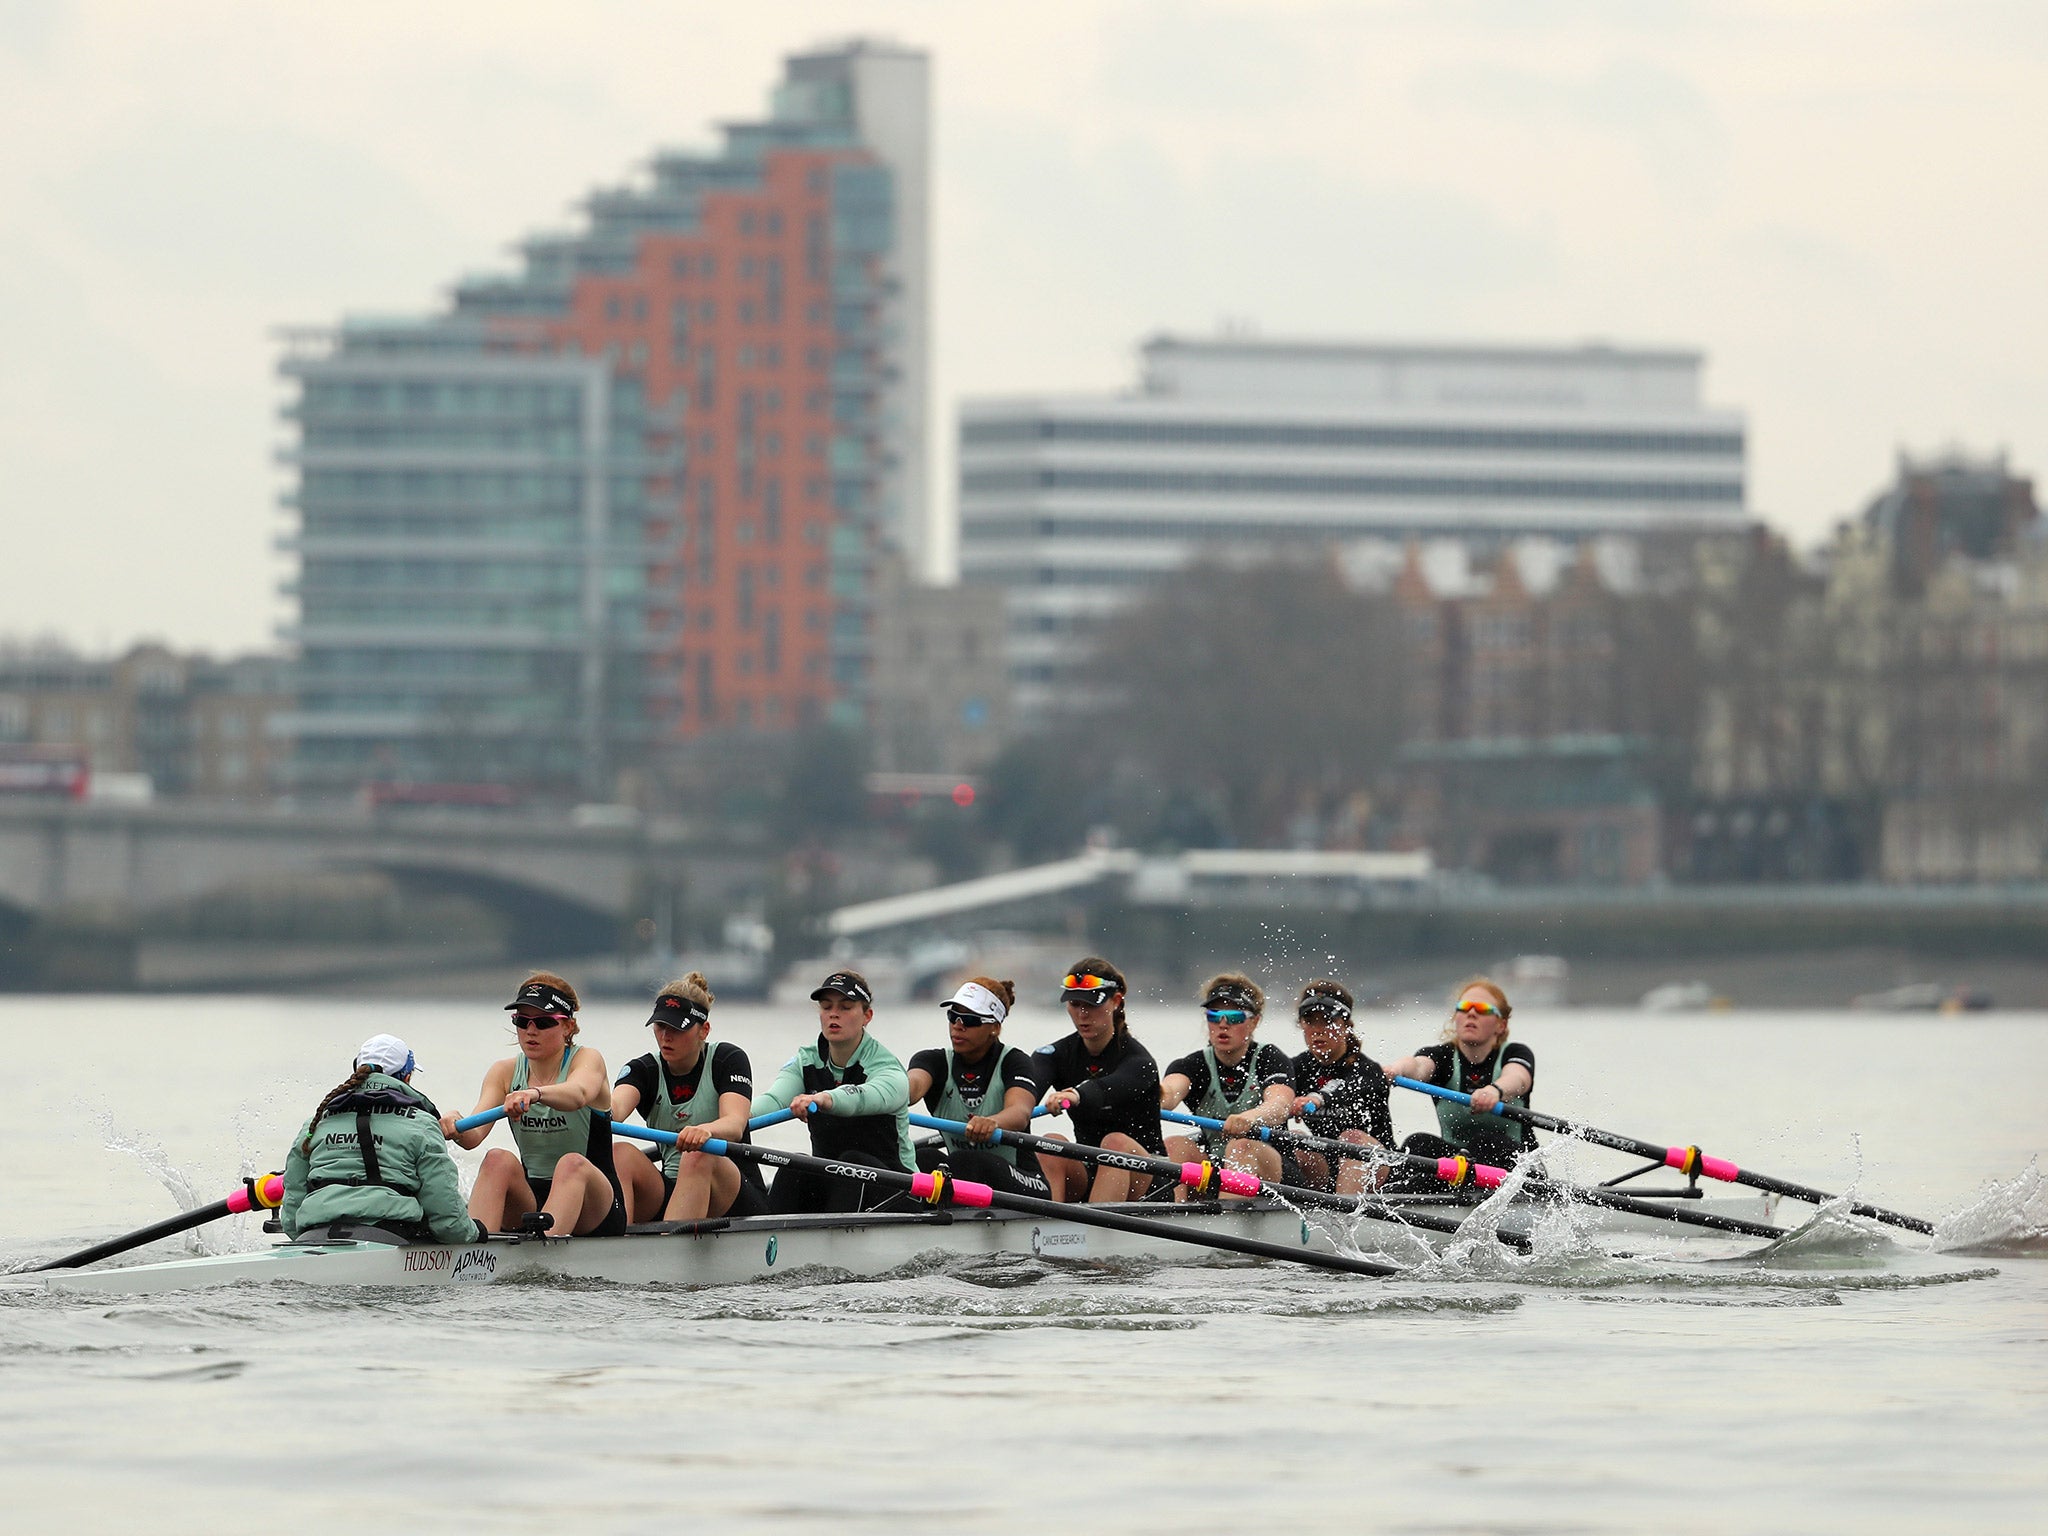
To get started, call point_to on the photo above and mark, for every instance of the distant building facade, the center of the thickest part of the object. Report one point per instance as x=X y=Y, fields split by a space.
x=636 y=491
x=1883 y=712
x=1522 y=754
x=940 y=702
x=195 y=726
x=1070 y=504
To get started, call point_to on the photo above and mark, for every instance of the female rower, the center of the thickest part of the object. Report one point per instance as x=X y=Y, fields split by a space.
x=1340 y=1093
x=557 y=1099
x=1474 y=1057
x=1102 y=1080
x=974 y=1079
x=1233 y=1079
x=370 y=1156
x=852 y=1092
x=699 y=1092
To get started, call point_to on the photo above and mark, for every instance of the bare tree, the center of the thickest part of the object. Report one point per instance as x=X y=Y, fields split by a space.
x=1271 y=691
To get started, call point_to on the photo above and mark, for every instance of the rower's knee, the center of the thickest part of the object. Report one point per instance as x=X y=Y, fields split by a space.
x=574 y=1166
x=699 y=1163
x=499 y=1162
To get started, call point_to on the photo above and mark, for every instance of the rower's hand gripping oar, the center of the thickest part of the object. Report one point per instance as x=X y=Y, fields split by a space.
x=259 y=1194
x=1208 y=1179
x=1690 y=1161
x=942 y=1189
x=1457 y=1171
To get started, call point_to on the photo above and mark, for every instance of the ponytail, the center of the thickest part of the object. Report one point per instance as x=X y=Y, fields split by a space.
x=355 y=1080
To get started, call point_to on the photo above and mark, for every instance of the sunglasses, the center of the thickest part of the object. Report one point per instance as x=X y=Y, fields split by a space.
x=537 y=1021
x=1226 y=1015
x=1482 y=1010
x=968 y=1020
x=1080 y=983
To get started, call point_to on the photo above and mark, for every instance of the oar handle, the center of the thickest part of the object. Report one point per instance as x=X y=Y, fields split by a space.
x=1452 y=1094
x=668 y=1138
x=1182 y=1117
x=486 y=1117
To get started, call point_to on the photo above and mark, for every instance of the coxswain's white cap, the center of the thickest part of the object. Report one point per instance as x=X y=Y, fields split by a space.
x=387 y=1053
x=978 y=1000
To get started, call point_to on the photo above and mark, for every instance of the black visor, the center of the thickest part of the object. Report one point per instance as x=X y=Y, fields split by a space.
x=543 y=998
x=1231 y=995
x=1322 y=1006
x=678 y=1012
x=846 y=984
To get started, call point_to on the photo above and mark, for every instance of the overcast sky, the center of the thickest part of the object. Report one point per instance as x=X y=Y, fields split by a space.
x=1844 y=205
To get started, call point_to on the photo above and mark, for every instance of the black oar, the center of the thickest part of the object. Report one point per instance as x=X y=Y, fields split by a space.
x=1208 y=1179
x=263 y=1194
x=1462 y=1170
x=939 y=1189
x=1690 y=1161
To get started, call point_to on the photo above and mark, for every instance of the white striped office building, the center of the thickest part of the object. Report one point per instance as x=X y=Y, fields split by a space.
x=1072 y=503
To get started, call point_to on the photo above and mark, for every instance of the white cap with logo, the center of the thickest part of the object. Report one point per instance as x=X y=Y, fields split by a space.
x=387 y=1053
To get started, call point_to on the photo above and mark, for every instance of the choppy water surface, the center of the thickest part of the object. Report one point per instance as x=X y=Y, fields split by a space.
x=1847 y=1377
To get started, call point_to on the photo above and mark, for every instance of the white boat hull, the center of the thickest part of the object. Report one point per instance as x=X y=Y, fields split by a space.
x=731 y=1253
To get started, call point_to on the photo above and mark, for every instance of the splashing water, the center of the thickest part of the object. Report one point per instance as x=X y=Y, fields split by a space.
x=2008 y=1218
x=232 y=1235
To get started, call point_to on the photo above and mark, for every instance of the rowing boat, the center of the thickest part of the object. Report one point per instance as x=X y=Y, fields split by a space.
x=728 y=1252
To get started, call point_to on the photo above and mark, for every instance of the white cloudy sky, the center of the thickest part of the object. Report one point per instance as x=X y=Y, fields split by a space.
x=1844 y=204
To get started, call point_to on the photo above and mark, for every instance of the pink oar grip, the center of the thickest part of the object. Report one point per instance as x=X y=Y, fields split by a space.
x=1236 y=1181
x=967 y=1192
x=238 y=1200
x=923 y=1185
x=1719 y=1168
x=1486 y=1176
x=1447 y=1169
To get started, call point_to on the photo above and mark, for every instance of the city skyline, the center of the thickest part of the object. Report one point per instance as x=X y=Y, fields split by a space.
x=1838 y=221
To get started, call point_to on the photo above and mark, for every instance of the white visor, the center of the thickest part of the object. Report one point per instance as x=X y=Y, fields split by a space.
x=977 y=999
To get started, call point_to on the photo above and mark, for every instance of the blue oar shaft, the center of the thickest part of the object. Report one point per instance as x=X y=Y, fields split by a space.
x=471 y=1122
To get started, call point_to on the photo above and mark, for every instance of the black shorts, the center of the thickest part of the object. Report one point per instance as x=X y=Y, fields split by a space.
x=615 y=1219
x=750 y=1200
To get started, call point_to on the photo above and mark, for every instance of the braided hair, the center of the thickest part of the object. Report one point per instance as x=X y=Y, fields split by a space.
x=355 y=1080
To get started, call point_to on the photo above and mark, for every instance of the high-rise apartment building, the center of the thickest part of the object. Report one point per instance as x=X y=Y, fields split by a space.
x=637 y=489
x=1070 y=504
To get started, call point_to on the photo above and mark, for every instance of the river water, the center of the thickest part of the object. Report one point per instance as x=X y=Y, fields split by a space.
x=1851 y=1379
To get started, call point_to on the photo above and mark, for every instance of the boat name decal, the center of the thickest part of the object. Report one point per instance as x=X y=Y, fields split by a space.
x=475 y=1265
x=418 y=1260
x=1058 y=1244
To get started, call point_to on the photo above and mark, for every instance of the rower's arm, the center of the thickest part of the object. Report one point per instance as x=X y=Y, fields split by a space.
x=789 y=1082
x=731 y=1123
x=497 y=1084
x=1173 y=1090
x=920 y=1084
x=296 y=1170
x=625 y=1099
x=586 y=1086
x=1015 y=1115
x=1277 y=1106
x=1514 y=1080
x=886 y=1092
x=1421 y=1068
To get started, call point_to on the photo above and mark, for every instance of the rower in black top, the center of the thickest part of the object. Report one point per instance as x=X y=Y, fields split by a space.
x=1233 y=1079
x=1340 y=1093
x=1474 y=1057
x=976 y=1080
x=1104 y=1081
x=699 y=1089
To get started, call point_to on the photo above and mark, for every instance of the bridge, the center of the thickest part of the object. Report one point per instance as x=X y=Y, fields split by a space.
x=564 y=888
